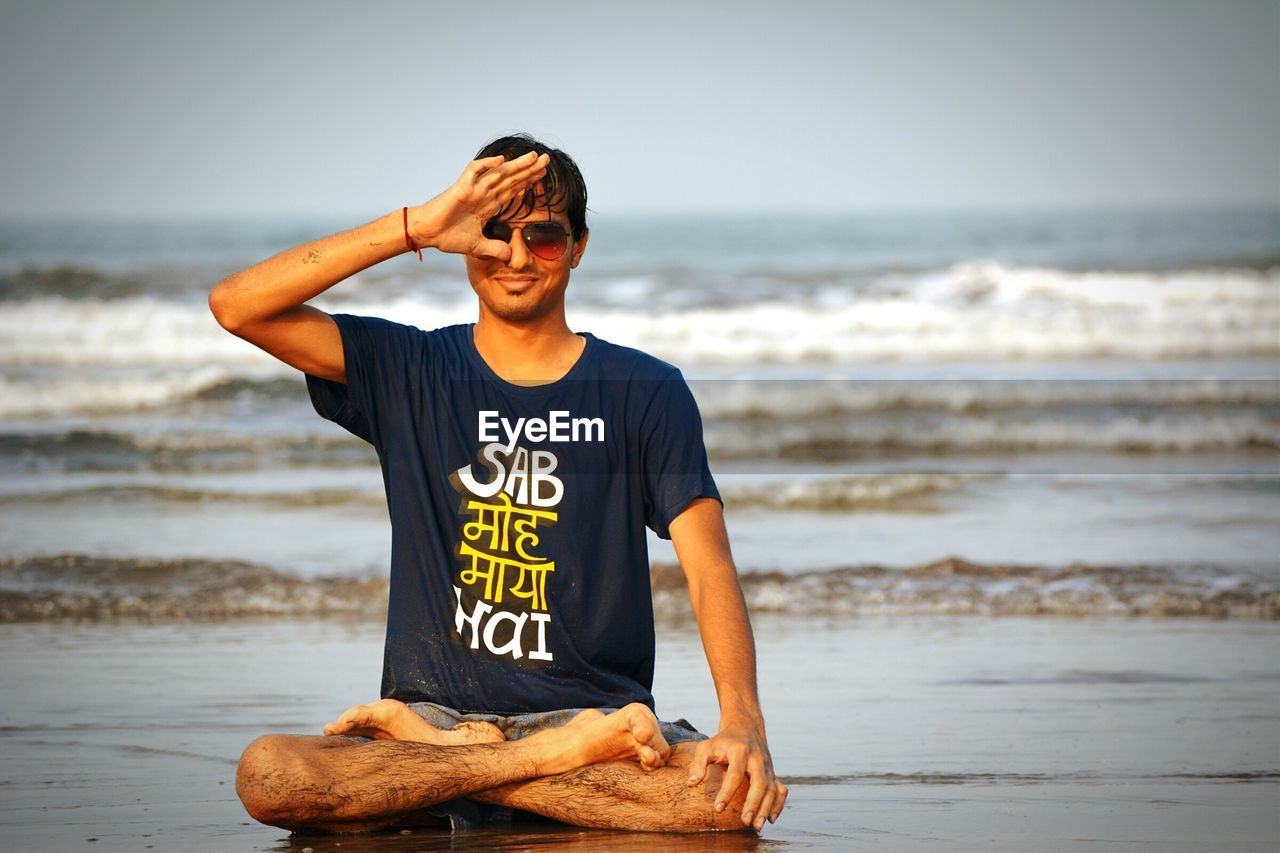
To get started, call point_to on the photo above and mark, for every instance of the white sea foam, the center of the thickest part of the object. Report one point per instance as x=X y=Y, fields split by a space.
x=61 y=356
x=907 y=492
x=983 y=311
x=98 y=394
x=974 y=310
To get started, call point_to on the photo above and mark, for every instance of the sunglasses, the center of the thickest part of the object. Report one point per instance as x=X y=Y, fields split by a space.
x=547 y=240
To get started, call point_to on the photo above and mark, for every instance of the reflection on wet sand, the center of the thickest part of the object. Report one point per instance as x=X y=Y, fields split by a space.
x=526 y=834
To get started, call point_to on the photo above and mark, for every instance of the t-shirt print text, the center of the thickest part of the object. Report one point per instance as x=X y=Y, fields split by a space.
x=501 y=585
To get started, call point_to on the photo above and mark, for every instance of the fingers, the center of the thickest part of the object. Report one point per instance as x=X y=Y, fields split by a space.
x=492 y=250
x=779 y=801
x=515 y=184
x=522 y=177
x=511 y=190
x=765 y=808
x=698 y=767
x=733 y=777
x=755 y=794
x=771 y=805
x=477 y=167
x=521 y=166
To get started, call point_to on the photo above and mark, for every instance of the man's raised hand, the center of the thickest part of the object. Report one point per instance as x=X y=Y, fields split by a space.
x=452 y=221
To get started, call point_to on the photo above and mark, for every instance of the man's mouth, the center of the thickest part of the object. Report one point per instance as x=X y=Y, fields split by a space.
x=516 y=282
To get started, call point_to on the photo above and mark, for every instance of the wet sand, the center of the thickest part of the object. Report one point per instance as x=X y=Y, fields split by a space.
x=911 y=734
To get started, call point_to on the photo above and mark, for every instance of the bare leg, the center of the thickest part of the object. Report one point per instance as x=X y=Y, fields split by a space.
x=621 y=795
x=615 y=795
x=300 y=782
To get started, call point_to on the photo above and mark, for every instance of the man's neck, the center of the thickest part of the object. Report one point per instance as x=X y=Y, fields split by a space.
x=532 y=353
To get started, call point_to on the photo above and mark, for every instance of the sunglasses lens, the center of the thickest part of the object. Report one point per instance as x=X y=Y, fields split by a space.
x=547 y=240
x=496 y=230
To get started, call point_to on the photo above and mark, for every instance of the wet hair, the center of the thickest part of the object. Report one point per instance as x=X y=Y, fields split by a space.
x=563 y=184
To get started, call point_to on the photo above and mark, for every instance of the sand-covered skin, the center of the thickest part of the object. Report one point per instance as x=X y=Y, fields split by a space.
x=1099 y=734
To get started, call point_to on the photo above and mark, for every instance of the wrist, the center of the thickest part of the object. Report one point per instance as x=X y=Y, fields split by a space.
x=417 y=235
x=741 y=719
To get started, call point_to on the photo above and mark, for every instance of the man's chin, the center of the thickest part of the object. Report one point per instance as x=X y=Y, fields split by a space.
x=516 y=309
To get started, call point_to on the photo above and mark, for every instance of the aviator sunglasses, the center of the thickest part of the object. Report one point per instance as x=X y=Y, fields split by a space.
x=547 y=240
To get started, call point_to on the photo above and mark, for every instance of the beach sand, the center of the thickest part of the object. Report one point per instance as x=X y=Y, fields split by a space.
x=940 y=733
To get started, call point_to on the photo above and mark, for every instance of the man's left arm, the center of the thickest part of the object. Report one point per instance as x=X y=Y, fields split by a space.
x=702 y=546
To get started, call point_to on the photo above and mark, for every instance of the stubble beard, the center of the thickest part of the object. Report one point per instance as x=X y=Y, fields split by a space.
x=515 y=308
x=521 y=307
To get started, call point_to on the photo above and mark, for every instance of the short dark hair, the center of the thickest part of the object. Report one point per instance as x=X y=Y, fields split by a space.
x=563 y=183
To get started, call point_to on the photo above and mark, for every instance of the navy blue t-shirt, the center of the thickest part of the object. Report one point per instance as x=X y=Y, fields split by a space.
x=519 y=562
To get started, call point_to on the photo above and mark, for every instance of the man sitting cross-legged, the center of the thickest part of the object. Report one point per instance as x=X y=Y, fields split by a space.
x=613 y=771
x=522 y=463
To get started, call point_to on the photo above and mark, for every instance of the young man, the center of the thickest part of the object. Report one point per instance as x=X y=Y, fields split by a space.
x=522 y=463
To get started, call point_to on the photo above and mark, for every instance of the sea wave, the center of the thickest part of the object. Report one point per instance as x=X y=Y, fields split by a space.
x=981 y=311
x=75 y=281
x=44 y=393
x=75 y=586
x=956 y=587
x=838 y=439
x=90 y=393
x=765 y=399
x=78 y=586
x=89 y=449
x=1008 y=443
x=356 y=499
x=977 y=310
x=907 y=492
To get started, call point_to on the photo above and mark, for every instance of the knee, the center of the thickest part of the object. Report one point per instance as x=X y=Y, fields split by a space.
x=270 y=769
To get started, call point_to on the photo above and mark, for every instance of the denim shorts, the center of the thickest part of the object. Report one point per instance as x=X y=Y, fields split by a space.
x=469 y=814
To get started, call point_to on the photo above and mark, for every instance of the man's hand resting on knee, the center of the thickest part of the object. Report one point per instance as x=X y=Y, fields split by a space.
x=745 y=754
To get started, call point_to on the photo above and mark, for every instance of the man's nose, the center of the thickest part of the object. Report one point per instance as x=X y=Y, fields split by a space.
x=521 y=257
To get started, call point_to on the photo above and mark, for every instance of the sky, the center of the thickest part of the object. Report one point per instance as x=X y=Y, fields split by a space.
x=157 y=109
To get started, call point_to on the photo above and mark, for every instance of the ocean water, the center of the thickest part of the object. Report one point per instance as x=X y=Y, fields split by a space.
x=1069 y=393
x=1004 y=493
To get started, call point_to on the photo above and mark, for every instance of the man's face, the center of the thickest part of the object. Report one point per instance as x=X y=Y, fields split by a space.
x=526 y=287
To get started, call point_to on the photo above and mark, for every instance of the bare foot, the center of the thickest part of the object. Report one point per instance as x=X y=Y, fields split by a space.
x=471 y=731
x=591 y=737
x=390 y=719
x=585 y=716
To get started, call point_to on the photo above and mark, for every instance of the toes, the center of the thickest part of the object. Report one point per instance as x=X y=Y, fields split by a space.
x=651 y=747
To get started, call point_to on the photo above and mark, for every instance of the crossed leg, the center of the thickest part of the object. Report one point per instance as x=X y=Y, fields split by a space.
x=600 y=771
x=621 y=795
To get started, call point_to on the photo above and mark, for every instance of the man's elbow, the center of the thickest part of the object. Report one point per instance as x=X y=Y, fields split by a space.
x=222 y=303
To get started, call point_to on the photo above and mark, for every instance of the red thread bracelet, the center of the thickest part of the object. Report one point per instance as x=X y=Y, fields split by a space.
x=407 y=241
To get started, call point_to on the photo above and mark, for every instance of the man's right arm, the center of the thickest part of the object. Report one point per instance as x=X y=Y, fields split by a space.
x=265 y=304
